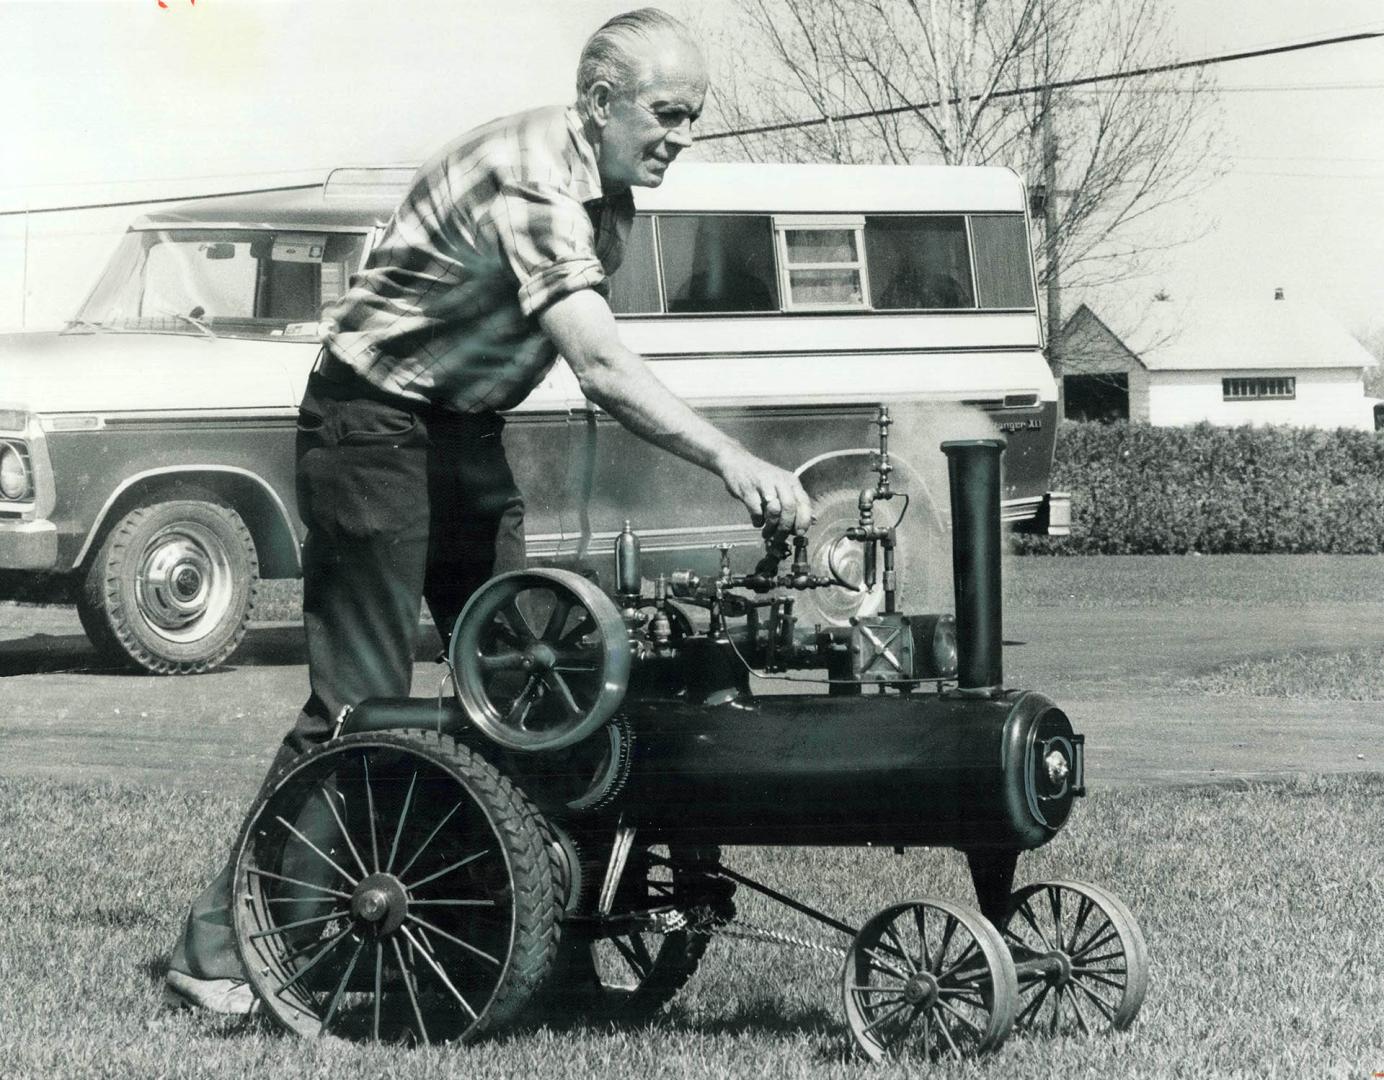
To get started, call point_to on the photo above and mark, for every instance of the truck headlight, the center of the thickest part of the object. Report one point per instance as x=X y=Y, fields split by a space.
x=14 y=472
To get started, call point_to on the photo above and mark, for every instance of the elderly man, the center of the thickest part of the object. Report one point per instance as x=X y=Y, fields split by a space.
x=496 y=261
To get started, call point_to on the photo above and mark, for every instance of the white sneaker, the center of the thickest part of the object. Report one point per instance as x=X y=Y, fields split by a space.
x=232 y=996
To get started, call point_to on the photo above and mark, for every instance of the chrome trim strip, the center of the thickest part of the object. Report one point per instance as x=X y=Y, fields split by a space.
x=959 y=351
x=853 y=313
x=194 y=225
x=832 y=455
x=278 y=414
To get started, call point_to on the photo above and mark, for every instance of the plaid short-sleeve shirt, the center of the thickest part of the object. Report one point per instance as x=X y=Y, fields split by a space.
x=499 y=224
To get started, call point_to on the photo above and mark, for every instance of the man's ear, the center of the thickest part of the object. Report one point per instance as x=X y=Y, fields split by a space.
x=598 y=99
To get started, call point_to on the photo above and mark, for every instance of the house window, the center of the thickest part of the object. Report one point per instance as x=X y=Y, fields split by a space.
x=1260 y=388
x=1103 y=397
x=822 y=262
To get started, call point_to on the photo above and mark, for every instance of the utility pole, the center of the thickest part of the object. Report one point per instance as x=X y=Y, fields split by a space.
x=24 y=276
x=1054 y=270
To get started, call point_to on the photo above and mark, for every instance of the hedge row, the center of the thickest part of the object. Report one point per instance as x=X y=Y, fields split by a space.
x=1141 y=490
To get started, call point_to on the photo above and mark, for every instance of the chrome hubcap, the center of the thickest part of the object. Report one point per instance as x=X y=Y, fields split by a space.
x=183 y=584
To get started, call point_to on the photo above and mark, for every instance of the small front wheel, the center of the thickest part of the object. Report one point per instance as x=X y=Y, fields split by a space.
x=929 y=977
x=171 y=587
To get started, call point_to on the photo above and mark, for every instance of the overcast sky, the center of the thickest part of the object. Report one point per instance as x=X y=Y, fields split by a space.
x=122 y=98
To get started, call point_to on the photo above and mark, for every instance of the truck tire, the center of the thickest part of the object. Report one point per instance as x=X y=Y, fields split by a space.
x=171 y=587
x=922 y=560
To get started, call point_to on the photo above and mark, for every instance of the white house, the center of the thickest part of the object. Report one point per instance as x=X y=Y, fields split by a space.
x=1274 y=361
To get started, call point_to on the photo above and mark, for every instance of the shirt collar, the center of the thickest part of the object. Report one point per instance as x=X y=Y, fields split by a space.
x=586 y=176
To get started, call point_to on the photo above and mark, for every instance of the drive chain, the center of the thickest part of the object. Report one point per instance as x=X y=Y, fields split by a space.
x=707 y=921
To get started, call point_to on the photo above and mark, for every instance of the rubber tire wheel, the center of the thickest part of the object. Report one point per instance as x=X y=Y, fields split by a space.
x=109 y=604
x=522 y=836
x=921 y=573
x=576 y=988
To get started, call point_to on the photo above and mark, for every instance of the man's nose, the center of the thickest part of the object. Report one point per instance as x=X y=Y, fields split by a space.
x=681 y=136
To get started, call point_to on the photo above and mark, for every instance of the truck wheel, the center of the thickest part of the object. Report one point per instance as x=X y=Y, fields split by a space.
x=920 y=559
x=171 y=587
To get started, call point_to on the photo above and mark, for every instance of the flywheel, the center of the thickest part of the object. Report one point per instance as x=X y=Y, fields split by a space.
x=541 y=659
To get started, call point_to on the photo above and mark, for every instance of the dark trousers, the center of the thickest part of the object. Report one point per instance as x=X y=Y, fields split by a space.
x=402 y=505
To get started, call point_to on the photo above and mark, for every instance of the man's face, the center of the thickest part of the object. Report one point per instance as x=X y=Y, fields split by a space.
x=648 y=128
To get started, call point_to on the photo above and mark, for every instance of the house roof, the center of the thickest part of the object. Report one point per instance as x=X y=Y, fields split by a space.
x=1258 y=335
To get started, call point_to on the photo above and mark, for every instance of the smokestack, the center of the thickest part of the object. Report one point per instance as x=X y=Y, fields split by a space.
x=1278 y=293
x=973 y=466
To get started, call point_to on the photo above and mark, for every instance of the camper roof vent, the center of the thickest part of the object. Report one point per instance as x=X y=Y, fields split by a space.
x=368 y=181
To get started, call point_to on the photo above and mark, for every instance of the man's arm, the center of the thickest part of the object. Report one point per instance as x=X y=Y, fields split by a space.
x=619 y=381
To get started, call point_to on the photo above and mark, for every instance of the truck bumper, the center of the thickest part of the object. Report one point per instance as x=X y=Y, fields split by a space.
x=1049 y=516
x=28 y=545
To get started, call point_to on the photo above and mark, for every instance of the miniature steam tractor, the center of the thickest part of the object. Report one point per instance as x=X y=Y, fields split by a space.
x=551 y=832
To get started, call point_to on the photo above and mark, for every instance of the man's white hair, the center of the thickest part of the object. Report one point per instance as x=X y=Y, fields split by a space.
x=613 y=53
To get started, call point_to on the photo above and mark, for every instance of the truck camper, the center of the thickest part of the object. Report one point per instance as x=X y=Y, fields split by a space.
x=146 y=450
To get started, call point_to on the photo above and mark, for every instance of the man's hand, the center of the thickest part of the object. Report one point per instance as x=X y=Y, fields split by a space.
x=619 y=381
x=773 y=496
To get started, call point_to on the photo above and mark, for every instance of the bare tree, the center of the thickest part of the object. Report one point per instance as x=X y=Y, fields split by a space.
x=945 y=81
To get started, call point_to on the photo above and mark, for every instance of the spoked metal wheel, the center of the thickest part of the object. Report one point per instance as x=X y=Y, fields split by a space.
x=929 y=978
x=393 y=887
x=632 y=966
x=541 y=659
x=1081 y=959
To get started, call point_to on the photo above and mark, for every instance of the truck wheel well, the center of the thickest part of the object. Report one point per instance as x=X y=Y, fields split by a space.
x=851 y=469
x=275 y=540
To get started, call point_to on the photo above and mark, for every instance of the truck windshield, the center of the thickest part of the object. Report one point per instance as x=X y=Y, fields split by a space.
x=222 y=282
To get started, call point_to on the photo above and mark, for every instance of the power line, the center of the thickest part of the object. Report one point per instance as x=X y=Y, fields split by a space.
x=1063 y=84
x=1302 y=157
x=167 y=198
x=763 y=129
x=1307 y=175
x=1246 y=88
x=167 y=179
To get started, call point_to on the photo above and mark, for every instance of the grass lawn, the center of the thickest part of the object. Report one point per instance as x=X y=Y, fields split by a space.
x=1104 y=581
x=1261 y=908
x=1357 y=675
x=1222 y=581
